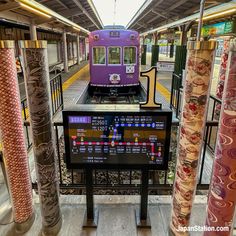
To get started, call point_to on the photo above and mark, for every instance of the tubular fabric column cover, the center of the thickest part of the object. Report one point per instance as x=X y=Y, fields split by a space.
x=191 y=130
x=14 y=149
x=222 y=192
x=37 y=90
x=220 y=85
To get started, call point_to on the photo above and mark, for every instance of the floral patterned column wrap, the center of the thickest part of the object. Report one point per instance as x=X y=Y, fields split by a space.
x=220 y=85
x=222 y=192
x=191 y=130
x=14 y=149
x=37 y=89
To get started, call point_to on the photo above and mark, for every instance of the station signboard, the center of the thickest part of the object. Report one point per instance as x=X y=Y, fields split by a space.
x=117 y=140
x=222 y=28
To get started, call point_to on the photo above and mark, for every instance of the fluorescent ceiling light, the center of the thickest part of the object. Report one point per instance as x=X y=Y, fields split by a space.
x=161 y=30
x=34 y=10
x=31 y=4
x=218 y=14
x=76 y=28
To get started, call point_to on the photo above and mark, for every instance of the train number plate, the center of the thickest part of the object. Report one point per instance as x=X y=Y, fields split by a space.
x=129 y=69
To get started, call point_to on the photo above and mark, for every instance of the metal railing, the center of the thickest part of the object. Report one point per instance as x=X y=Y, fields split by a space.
x=56 y=103
x=118 y=182
x=25 y=116
x=175 y=101
x=56 y=93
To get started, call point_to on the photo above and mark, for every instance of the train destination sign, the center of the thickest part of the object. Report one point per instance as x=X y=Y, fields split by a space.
x=117 y=139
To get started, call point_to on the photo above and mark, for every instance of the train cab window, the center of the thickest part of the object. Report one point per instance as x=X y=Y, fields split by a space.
x=114 y=55
x=99 y=55
x=129 y=55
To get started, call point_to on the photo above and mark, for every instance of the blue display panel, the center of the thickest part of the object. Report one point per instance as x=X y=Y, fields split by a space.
x=117 y=139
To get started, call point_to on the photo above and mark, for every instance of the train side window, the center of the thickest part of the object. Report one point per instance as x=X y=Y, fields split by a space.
x=129 y=55
x=99 y=55
x=114 y=55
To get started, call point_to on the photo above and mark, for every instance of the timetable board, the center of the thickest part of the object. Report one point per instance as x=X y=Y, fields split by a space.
x=117 y=140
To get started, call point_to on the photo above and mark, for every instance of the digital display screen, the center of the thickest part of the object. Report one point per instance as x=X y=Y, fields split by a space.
x=103 y=139
x=114 y=34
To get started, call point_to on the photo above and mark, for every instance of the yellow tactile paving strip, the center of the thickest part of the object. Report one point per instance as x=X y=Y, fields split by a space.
x=163 y=91
x=73 y=78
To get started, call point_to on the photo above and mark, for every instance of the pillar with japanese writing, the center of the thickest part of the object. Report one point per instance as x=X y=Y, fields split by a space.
x=36 y=74
x=199 y=66
x=14 y=149
x=222 y=192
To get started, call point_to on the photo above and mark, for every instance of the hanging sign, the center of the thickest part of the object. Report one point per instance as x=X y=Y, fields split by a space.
x=218 y=28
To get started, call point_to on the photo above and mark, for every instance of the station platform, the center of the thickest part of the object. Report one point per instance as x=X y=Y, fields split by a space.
x=122 y=222
x=121 y=207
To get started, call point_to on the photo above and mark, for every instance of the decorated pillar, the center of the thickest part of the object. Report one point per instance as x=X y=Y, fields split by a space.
x=37 y=90
x=222 y=192
x=12 y=134
x=192 y=123
x=221 y=80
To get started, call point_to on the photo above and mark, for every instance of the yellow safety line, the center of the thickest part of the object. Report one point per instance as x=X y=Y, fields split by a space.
x=163 y=91
x=73 y=78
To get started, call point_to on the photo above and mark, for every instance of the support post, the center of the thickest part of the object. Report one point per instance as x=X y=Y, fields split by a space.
x=193 y=117
x=142 y=218
x=144 y=195
x=222 y=191
x=65 y=58
x=143 y=55
x=78 y=50
x=91 y=217
x=36 y=75
x=33 y=31
x=12 y=134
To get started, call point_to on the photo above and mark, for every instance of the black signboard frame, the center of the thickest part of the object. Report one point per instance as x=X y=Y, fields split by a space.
x=163 y=166
x=141 y=215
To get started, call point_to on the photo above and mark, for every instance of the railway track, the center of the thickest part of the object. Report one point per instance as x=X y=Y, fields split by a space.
x=133 y=96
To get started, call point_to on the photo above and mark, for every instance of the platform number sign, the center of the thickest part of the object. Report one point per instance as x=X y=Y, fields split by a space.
x=151 y=89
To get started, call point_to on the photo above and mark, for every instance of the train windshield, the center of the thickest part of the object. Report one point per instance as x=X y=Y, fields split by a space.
x=99 y=55
x=114 y=55
x=129 y=55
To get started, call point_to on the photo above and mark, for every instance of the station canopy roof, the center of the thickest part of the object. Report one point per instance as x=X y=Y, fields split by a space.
x=156 y=13
x=72 y=15
x=81 y=12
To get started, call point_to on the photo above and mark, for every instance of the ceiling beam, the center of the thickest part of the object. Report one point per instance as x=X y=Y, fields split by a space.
x=142 y=25
x=158 y=3
x=9 y=6
x=62 y=4
x=70 y=12
x=168 y=11
x=138 y=13
x=78 y=4
x=41 y=20
x=161 y=15
x=177 y=4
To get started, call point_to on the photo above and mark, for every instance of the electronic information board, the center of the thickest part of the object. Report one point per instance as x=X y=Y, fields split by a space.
x=117 y=139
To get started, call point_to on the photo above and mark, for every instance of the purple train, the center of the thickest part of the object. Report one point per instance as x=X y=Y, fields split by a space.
x=114 y=58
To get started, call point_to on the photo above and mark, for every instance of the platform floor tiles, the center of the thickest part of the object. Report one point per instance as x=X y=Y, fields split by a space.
x=114 y=219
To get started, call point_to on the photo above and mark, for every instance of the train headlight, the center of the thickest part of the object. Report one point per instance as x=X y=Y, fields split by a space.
x=96 y=37
x=132 y=37
x=114 y=78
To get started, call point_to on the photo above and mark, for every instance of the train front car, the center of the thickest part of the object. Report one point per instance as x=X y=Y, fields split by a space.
x=114 y=61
